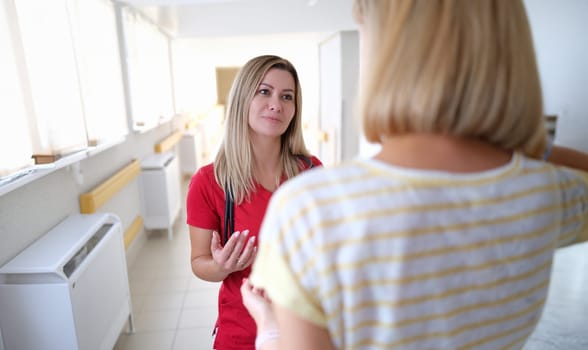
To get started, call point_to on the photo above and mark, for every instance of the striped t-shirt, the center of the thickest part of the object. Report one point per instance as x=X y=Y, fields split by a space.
x=388 y=257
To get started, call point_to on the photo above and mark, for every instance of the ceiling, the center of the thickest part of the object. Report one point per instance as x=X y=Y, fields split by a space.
x=210 y=18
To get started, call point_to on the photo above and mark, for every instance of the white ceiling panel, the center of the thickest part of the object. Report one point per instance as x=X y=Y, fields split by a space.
x=210 y=18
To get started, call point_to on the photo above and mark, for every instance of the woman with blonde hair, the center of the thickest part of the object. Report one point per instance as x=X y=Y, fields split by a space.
x=262 y=147
x=445 y=238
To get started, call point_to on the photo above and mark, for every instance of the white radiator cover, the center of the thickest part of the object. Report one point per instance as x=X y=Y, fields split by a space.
x=160 y=183
x=188 y=151
x=69 y=289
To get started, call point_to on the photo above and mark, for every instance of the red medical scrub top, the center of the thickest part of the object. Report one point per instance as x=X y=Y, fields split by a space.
x=205 y=207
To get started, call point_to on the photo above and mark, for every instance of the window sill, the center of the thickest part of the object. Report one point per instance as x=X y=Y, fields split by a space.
x=35 y=172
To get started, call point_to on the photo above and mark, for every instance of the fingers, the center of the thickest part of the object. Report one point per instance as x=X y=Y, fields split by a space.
x=237 y=240
x=246 y=287
x=248 y=254
x=252 y=291
x=249 y=298
x=238 y=252
x=229 y=246
x=258 y=305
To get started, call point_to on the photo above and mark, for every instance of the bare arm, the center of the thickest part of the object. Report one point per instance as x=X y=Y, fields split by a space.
x=296 y=333
x=573 y=159
x=279 y=328
x=211 y=261
x=569 y=157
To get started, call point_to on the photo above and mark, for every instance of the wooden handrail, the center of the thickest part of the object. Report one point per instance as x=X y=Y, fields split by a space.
x=91 y=201
x=169 y=142
x=191 y=124
x=133 y=230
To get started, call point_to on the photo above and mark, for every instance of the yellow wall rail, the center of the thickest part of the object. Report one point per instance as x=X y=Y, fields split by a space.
x=133 y=230
x=91 y=201
x=168 y=142
x=191 y=124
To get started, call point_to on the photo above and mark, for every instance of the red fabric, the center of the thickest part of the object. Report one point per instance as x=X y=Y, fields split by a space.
x=205 y=207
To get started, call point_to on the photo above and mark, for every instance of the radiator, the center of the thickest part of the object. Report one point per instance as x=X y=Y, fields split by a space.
x=188 y=151
x=160 y=183
x=69 y=289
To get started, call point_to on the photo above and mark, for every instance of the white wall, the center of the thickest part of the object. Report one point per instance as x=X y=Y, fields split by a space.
x=339 y=71
x=26 y=213
x=195 y=60
x=257 y=17
x=560 y=31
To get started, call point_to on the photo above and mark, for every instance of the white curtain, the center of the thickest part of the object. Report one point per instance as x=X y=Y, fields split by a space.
x=149 y=68
x=15 y=141
x=52 y=76
x=100 y=70
x=61 y=82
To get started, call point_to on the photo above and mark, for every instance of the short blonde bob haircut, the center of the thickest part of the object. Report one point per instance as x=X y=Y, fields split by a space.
x=233 y=166
x=464 y=68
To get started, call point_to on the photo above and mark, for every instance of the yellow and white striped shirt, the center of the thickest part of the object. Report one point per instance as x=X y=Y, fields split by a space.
x=388 y=257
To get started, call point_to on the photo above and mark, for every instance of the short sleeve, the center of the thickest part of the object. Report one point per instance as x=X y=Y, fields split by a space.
x=316 y=162
x=200 y=201
x=575 y=204
x=308 y=162
x=273 y=272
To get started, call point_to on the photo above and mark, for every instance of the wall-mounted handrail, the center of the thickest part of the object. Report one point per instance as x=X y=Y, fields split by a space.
x=133 y=230
x=91 y=201
x=168 y=143
x=191 y=124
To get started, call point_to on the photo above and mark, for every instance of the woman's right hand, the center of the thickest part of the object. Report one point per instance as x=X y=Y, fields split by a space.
x=259 y=306
x=232 y=256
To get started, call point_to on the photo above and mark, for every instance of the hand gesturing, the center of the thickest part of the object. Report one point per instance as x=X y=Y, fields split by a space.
x=232 y=256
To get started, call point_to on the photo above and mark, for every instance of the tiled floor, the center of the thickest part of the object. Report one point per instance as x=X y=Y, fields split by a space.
x=173 y=310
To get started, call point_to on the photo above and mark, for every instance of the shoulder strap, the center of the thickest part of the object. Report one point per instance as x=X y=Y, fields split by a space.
x=229 y=216
x=306 y=160
x=229 y=226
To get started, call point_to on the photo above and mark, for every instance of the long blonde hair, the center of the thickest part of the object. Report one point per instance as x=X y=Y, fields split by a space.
x=233 y=165
x=459 y=67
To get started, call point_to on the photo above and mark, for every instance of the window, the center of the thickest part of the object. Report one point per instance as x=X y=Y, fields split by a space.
x=53 y=83
x=15 y=141
x=61 y=88
x=149 y=72
x=61 y=85
x=100 y=70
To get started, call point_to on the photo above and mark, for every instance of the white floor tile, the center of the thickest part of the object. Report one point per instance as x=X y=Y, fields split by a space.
x=199 y=298
x=198 y=284
x=167 y=285
x=140 y=286
x=168 y=271
x=161 y=340
x=139 y=274
x=198 y=317
x=193 y=339
x=166 y=301
x=156 y=320
x=137 y=302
